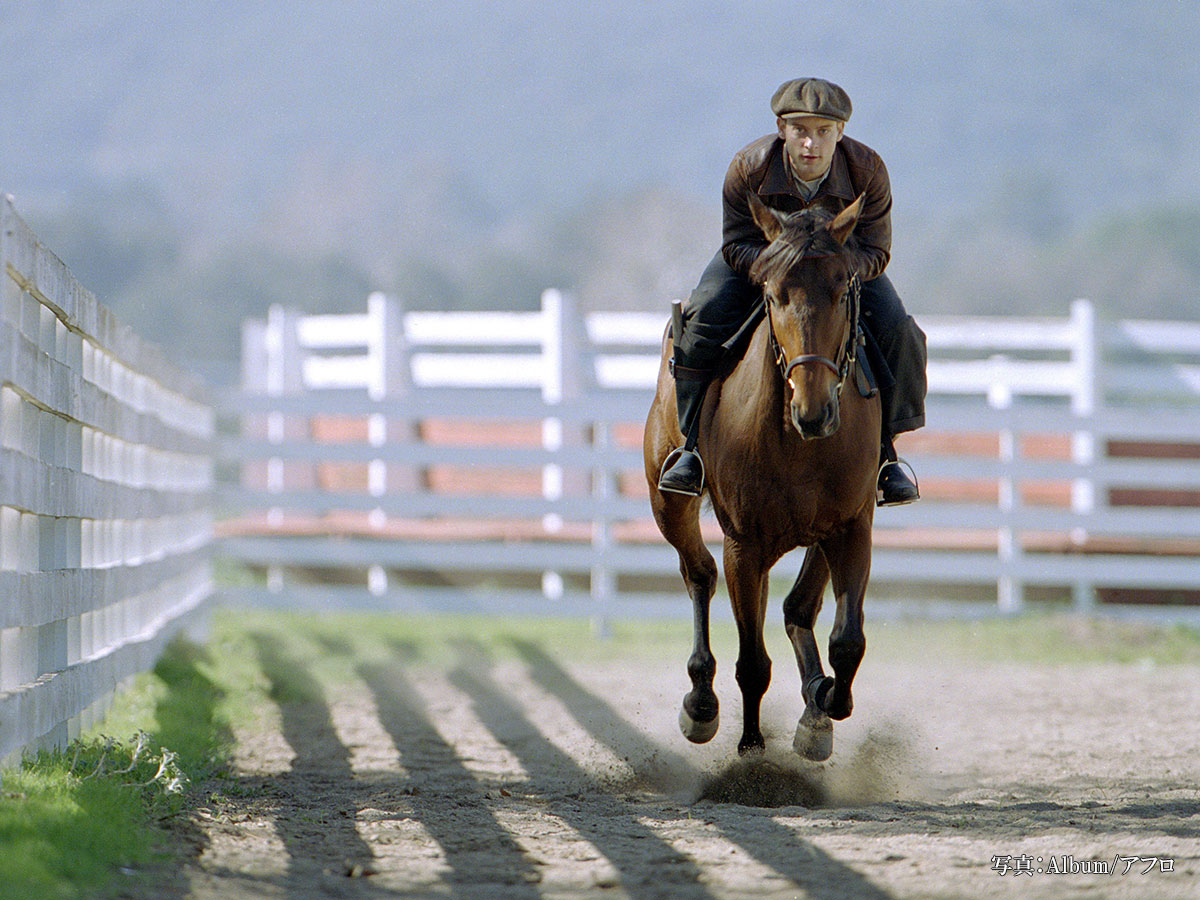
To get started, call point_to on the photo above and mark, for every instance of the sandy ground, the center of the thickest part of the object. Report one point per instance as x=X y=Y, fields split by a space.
x=534 y=778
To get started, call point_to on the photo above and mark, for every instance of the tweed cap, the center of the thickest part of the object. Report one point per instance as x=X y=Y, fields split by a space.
x=811 y=97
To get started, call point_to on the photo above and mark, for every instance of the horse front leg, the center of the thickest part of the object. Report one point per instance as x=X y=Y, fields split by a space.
x=678 y=518
x=699 y=716
x=814 y=731
x=746 y=576
x=849 y=556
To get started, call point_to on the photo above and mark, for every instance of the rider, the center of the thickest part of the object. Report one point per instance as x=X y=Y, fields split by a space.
x=807 y=162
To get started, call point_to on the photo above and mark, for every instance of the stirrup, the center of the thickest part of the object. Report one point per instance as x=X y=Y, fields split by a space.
x=672 y=457
x=912 y=476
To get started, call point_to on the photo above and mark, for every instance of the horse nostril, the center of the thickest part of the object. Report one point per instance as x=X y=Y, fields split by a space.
x=835 y=419
x=821 y=425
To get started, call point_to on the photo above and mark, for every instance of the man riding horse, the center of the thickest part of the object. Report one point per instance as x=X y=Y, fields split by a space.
x=808 y=162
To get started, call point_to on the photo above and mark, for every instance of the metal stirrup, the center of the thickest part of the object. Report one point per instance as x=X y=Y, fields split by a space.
x=667 y=463
x=900 y=460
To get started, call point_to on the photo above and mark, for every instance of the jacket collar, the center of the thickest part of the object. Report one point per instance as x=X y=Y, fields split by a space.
x=775 y=179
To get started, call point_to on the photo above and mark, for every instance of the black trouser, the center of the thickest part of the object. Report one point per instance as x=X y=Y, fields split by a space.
x=723 y=299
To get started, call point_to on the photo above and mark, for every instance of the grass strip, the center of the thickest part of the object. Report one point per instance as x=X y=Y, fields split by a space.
x=95 y=820
x=1041 y=638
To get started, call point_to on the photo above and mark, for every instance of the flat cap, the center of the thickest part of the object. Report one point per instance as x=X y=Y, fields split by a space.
x=811 y=97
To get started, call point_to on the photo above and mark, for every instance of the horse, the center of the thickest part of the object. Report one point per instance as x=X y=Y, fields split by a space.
x=791 y=461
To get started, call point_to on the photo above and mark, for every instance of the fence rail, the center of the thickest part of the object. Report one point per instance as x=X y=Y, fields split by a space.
x=105 y=499
x=493 y=460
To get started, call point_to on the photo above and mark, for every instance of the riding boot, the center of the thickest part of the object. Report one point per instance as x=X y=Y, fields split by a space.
x=683 y=470
x=894 y=487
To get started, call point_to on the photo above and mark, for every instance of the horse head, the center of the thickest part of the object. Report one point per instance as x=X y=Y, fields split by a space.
x=807 y=275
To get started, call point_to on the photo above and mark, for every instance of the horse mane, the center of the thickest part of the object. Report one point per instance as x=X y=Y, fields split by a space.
x=804 y=236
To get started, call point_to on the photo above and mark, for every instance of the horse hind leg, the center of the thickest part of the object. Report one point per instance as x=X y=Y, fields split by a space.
x=678 y=518
x=814 y=732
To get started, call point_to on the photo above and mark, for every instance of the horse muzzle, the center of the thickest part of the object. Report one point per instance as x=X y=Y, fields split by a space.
x=822 y=425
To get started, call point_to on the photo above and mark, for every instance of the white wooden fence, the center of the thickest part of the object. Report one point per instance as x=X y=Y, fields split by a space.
x=105 y=499
x=479 y=449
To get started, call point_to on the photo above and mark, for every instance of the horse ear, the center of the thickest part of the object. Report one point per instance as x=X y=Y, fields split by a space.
x=765 y=218
x=845 y=221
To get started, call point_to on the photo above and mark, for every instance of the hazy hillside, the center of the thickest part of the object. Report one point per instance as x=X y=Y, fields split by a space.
x=231 y=154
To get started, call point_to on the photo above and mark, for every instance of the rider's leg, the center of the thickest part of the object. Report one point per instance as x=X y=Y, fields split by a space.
x=714 y=311
x=683 y=471
x=903 y=346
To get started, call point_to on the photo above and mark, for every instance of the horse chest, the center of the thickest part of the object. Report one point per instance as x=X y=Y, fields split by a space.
x=786 y=509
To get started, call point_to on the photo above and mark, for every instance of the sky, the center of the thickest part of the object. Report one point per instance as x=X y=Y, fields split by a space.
x=551 y=102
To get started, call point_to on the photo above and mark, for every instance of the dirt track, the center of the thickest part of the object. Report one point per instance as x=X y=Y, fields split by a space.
x=532 y=777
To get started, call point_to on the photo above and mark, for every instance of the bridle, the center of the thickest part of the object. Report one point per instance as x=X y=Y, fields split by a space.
x=846 y=355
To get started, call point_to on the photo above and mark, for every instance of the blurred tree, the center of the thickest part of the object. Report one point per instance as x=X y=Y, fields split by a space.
x=1140 y=265
x=638 y=251
x=1135 y=264
x=1032 y=203
x=112 y=236
x=195 y=310
x=635 y=251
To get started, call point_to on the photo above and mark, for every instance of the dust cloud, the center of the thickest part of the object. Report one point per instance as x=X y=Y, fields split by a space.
x=882 y=767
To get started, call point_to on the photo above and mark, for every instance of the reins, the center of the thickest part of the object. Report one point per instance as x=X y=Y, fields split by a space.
x=846 y=355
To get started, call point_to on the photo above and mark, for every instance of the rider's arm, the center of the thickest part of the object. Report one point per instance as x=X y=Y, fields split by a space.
x=873 y=233
x=742 y=240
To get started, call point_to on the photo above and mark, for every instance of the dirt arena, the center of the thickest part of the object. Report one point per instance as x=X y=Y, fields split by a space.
x=547 y=771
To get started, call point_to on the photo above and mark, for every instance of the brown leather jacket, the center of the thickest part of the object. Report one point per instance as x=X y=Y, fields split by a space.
x=855 y=169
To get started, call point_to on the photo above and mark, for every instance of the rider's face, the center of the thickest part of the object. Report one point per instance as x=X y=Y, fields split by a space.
x=810 y=142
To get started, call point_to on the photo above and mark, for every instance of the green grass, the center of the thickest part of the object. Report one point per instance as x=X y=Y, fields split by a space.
x=62 y=837
x=93 y=820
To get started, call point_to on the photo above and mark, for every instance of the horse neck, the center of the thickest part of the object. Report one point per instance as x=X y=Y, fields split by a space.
x=763 y=379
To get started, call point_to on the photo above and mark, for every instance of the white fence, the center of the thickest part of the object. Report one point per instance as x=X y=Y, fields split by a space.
x=444 y=457
x=105 y=499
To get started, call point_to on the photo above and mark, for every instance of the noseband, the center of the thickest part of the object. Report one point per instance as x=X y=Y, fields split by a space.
x=846 y=355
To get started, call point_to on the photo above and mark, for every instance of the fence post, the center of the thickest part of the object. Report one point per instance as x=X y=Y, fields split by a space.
x=388 y=350
x=284 y=376
x=1010 y=595
x=254 y=356
x=562 y=381
x=554 y=387
x=1083 y=441
x=552 y=392
x=604 y=488
x=395 y=375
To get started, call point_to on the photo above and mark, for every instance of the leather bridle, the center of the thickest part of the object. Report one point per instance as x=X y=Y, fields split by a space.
x=846 y=355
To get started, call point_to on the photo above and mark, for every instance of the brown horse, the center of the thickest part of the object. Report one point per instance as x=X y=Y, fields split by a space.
x=791 y=461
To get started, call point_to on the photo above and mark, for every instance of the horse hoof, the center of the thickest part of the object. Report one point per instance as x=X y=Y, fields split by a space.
x=697 y=732
x=753 y=747
x=814 y=736
x=838 y=710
